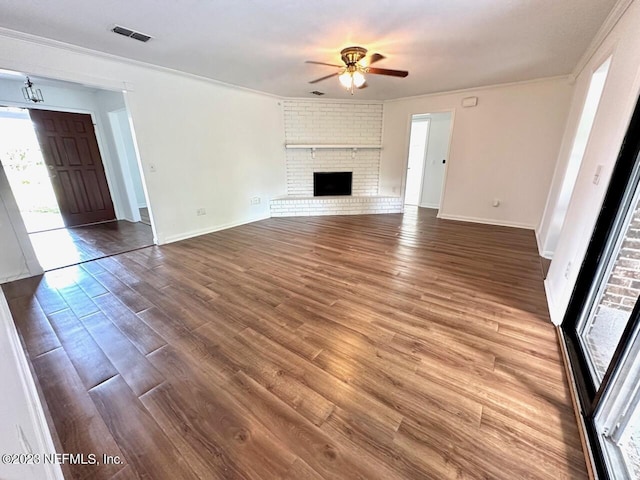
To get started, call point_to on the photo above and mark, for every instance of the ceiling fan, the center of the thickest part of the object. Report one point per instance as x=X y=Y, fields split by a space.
x=351 y=75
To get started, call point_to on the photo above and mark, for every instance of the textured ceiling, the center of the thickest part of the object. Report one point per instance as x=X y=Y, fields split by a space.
x=445 y=44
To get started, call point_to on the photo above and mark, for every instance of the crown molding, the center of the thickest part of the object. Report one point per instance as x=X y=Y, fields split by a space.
x=609 y=24
x=48 y=42
x=483 y=87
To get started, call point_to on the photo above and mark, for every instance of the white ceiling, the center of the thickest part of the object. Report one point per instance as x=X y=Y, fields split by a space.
x=259 y=44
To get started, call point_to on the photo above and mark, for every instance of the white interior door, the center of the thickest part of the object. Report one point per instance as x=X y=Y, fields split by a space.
x=415 y=163
x=435 y=159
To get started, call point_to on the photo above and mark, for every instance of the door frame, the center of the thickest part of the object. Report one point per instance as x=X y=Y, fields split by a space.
x=116 y=195
x=625 y=176
x=407 y=140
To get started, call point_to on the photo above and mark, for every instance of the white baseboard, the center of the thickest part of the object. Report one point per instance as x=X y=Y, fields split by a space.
x=556 y=318
x=486 y=221
x=204 y=231
x=548 y=254
x=434 y=206
x=28 y=395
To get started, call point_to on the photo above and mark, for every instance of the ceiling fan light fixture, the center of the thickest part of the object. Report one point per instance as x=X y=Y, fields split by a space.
x=346 y=79
x=358 y=79
x=357 y=65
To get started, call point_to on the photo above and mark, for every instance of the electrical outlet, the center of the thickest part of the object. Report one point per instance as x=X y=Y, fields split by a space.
x=201 y=211
x=255 y=200
x=567 y=271
x=596 y=176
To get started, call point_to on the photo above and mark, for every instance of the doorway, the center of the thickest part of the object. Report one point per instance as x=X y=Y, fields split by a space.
x=67 y=190
x=427 y=158
x=69 y=148
x=418 y=141
x=602 y=324
x=26 y=171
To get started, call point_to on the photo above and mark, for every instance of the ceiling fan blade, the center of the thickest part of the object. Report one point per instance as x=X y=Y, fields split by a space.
x=386 y=71
x=376 y=57
x=322 y=63
x=324 y=78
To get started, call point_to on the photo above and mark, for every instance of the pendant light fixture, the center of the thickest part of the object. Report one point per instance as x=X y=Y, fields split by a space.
x=30 y=93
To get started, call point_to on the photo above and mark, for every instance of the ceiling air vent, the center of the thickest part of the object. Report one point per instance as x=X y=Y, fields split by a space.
x=316 y=92
x=130 y=33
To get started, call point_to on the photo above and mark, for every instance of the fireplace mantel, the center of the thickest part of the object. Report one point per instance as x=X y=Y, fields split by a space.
x=314 y=146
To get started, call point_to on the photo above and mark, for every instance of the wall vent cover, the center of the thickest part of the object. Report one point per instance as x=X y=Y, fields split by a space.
x=131 y=33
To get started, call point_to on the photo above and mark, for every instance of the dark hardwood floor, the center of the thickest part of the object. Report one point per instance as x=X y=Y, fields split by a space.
x=355 y=347
x=69 y=246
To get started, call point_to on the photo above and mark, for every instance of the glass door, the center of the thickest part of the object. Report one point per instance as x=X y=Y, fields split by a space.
x=602 y=325
x=618 y=417
x=614 y=291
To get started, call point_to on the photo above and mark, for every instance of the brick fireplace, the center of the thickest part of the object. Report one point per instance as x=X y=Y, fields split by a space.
x=333 y=137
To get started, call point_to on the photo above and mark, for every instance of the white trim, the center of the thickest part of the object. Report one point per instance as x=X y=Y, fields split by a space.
x=432 y=206
x=44 y=441
x=548 y=254
x=609 y=24
x=204 y=231
x=555 y=317
x=486 y=221
x=578 y=412
x=482 y=87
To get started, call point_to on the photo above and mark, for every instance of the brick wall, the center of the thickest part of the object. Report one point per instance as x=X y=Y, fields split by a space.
x=332 y=123
x=623 y=287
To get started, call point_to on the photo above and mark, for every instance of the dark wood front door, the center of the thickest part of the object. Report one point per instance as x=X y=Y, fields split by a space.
x=70 y=150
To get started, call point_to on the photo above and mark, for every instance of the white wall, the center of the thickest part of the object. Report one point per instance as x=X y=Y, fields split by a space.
x=22 y=422
x=504 y=148
x=616 y=106
x=569 y=160
x=211 y=146
x=437 y=150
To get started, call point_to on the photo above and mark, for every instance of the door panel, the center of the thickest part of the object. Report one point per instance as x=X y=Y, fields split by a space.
x=70 y=150
x=615 y=291
x=602 y=323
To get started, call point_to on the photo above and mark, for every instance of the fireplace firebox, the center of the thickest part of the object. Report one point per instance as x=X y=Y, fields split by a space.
x=332 y=183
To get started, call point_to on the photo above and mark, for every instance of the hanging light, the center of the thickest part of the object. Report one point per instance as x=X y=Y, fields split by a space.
x=358 y=79
x=346 y=79
x=31 y=94
x=352 y=77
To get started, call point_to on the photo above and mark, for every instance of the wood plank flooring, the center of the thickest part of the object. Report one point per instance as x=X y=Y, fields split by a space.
x=69 y=246
x=355 y=347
